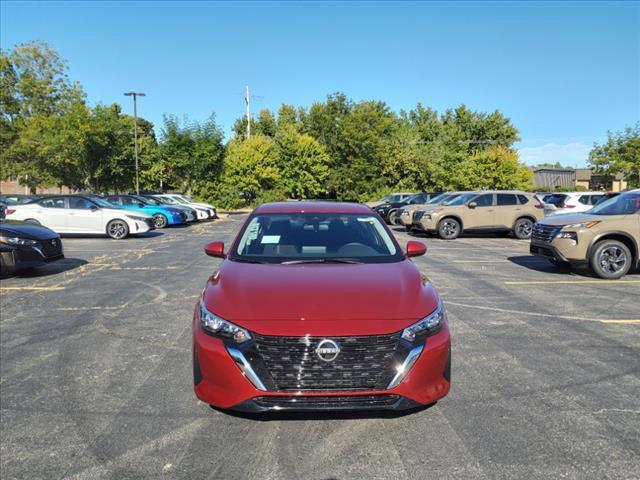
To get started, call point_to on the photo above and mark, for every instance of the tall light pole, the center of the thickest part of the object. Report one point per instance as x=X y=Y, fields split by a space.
x=135 y=133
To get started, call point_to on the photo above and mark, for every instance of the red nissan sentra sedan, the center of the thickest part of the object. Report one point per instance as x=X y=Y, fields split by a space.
x=316 y=307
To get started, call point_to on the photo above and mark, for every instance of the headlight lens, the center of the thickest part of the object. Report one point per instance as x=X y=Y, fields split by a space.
x=137 y=218
x=569 y=235
x=17 y=241
x=213 y=324
x=427 y=326
x=582 y=225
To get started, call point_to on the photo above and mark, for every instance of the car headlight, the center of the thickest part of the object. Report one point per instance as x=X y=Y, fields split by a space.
x=137 y=218
x=582 y=225
x=211 y=323
x=427 y=216
x=427 y=326
x=569 y=235
x=25 y=242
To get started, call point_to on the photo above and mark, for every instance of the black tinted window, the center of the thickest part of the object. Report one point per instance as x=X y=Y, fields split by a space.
x=523 y=199
x=52 y=202
x=585 y=199
x=484 y=200
x=505 y=199
x=557 y=200
x=114 y=200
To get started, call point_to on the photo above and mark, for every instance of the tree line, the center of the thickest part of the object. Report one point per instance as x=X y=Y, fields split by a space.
x=336 y=148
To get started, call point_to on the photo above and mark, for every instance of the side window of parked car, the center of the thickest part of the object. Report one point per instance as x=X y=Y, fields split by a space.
x=506 y=199
x=128 y=201
x=52 y=203
x=523 y=199
x=595 y=199
x=79 y=202
x=113 y=200
x=585 y=199
x=484 y=200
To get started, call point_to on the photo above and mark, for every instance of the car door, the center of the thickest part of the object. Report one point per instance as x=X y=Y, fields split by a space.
x=483 y=215
x=52 y=213
x=84 y=216
x=506 y=210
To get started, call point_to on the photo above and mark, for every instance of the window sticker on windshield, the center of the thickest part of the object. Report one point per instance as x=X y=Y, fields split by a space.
x=314 y=249
x=270 y=239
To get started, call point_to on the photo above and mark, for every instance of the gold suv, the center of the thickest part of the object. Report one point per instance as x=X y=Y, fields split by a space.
x=486 y=211
x=607 y=237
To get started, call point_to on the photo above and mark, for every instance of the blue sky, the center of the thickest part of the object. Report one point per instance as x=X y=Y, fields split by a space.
x=564 y=72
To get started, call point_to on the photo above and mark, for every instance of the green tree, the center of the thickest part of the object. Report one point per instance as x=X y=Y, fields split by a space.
x=620 y=154
x=303 y=163
x=250 y=169
x=493 y=168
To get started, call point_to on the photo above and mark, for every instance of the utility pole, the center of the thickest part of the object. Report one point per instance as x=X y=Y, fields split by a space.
x=247 y=100
x=135 y=133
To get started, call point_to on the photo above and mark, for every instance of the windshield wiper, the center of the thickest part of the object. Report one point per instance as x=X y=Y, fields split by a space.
x=322 y=260
x=246 y=260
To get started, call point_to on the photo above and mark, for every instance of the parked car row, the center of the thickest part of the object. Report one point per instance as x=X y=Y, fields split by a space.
x=30 y=226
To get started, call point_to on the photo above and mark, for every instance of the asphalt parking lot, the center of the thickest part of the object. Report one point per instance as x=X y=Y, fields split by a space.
x=95 y=374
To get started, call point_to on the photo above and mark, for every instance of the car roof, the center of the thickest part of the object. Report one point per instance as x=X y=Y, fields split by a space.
x=313 y=207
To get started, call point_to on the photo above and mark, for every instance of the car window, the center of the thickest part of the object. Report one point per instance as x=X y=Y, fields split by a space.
x=129 y=202
x=557 y=200
x=114 y=200
x=485 y=200
x=506 y=199
x=79 y=202
x=585 y=199
x=460 y=200
x=523 y=199
x=303 y=236
x=52 y=202
x=595 y=199
x=623 y=204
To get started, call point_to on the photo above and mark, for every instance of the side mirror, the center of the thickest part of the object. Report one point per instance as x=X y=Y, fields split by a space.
x=472 y=204
x=141 y=205
x=214 y=249
x=416 y=249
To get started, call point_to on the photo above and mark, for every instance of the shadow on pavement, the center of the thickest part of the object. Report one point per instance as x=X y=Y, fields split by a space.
x=52 y=268
x=323 y=415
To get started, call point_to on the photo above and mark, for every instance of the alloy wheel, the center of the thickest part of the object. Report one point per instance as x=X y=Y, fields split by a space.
x=117 y=229
x=612 y=259
x=159 y=220
x=524 y=228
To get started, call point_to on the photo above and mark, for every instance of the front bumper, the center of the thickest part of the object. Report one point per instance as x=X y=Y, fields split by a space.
x=219 y=381
x=20 y=258
x=561 y=250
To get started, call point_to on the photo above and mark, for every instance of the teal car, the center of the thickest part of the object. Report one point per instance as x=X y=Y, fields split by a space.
x=163 y=215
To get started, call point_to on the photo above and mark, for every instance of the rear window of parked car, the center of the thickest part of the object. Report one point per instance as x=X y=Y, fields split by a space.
x=557 y=200
x=523 y=199
x=590 y=199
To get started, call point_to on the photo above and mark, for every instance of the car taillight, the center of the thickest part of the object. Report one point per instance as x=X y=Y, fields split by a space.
x=568 y=206
x=10 y=211
x=540 y=205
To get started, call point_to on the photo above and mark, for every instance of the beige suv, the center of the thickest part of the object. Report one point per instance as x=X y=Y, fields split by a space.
x=606 y=238
x=487 y=211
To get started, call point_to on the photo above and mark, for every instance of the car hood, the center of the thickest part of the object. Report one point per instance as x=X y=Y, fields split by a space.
x=26 y=230
x=320 y=299
x=411 y=208
x=567 y=218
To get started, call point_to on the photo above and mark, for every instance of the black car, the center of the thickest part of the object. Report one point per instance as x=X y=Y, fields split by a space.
x=25 y=245
x=387 y=210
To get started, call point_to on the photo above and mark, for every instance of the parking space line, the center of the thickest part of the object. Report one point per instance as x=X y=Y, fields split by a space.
x=544 y=315
x=621 y=321
x=572 y=282
x=32 y=289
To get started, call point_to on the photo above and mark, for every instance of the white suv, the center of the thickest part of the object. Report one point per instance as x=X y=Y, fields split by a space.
x=571 y=202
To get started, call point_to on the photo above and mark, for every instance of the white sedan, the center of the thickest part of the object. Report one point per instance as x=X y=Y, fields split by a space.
x=203 y=212
x=188 y=201
x=84 y=214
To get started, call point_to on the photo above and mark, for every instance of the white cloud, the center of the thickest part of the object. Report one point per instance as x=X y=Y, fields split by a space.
x=568 y=154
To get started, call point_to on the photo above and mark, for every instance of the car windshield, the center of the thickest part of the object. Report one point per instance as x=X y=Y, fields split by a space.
x=316 y=237
x=180 y=199
x=167 y=200
x=101 y=202
x=143 y=200
x=152 y=201
x=461 y=199
x=185 y=198
x=439 y=198
x=624 y=204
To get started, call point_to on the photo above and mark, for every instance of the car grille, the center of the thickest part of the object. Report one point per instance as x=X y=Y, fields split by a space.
x=291 y=364
x=418 y=215
x=328 y=402
x=51 y=248
x=545 y=233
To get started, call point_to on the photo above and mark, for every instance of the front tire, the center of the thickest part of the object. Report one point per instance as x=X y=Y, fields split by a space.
x=449 y=228
x=611 y=259
x=160 y=221
x=393 y=217
x=523 y=228
x=117 y=229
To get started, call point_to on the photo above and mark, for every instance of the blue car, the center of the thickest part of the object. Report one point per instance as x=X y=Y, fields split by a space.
x=162 y=215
